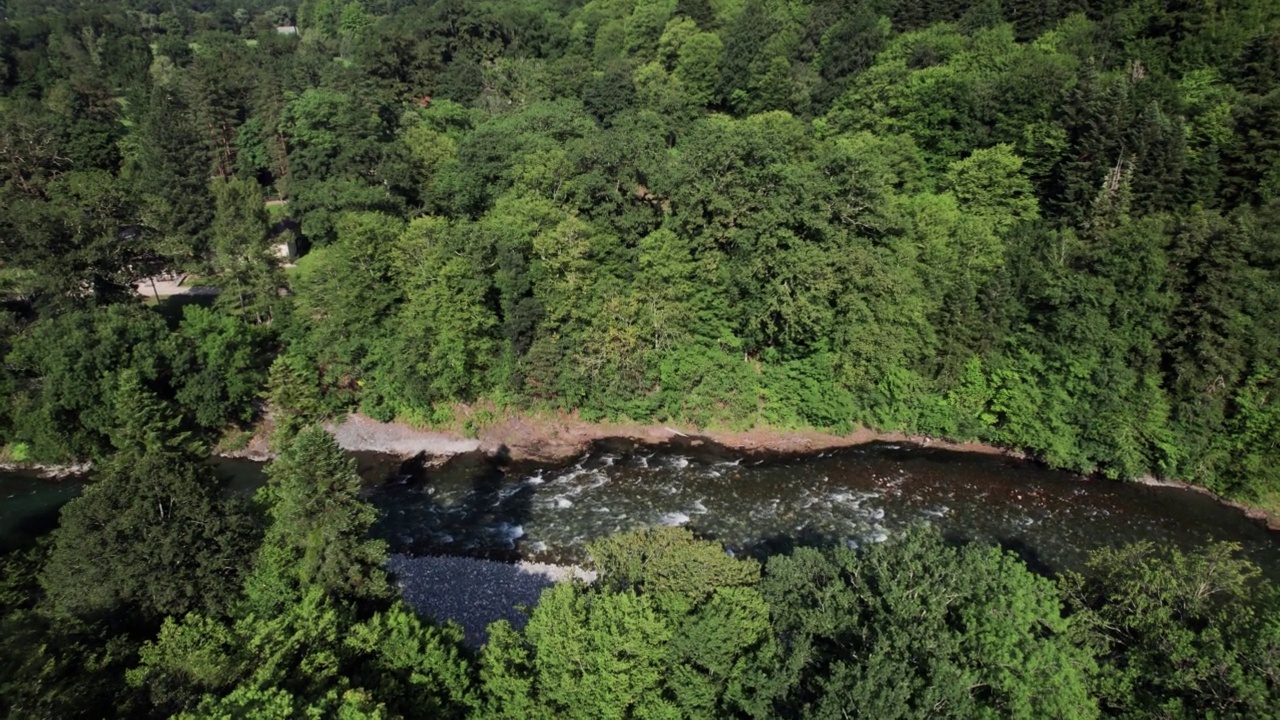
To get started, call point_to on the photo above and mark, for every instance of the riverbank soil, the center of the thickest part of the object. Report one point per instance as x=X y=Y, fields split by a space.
x=553 y=437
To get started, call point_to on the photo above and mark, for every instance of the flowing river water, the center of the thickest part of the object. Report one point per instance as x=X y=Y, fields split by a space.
x=754 y=504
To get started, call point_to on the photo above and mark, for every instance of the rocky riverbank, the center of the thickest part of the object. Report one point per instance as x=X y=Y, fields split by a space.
x=48 y=472
x=559 y=437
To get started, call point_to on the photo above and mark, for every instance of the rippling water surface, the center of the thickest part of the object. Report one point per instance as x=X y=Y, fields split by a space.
x=857 y=496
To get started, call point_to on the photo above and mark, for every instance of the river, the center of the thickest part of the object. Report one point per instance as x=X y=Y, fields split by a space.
x=753 y=505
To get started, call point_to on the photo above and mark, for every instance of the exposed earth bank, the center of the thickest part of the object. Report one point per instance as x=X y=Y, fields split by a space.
x=548 y=438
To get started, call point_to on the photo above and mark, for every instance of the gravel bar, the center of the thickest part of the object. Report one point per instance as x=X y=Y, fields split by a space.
x=475 y=593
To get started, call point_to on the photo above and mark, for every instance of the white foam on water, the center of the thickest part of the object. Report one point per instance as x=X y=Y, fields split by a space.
x=563 y=503
x=878 y=537
x=844 y=498
x=510 y=490
x=877 y=514
x=597 y=479
x=679 y=462
x=698 y=507
x=674 y=519
x=535 y=479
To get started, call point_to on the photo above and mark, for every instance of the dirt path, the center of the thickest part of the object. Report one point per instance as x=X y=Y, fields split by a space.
x=160 y=286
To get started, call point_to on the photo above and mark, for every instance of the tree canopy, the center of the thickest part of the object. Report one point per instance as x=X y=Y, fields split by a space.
x=1050 y=226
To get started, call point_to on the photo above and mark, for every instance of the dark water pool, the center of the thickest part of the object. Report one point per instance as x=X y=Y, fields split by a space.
x=753 y=505
x=856 y=496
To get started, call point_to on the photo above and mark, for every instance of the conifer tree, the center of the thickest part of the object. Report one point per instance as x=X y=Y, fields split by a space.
x=245 y=263
x=173 y=176
x=319 y=529
x=153 y=535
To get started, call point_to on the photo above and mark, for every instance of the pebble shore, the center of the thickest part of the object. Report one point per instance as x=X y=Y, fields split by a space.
x=474 y=593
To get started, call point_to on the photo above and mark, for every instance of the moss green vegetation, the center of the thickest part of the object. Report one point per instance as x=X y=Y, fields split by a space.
x=292 y=616
x=1050 y=225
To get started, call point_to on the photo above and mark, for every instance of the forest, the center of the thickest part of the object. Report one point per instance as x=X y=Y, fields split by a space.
x=1048 y=225
x=1052 y=227
x=280 y=608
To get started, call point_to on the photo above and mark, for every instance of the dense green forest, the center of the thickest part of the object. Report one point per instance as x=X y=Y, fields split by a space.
x=280 y=609
x=1050 y=225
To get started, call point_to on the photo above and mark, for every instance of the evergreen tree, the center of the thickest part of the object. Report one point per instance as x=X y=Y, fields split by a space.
x=319 y=527
x=1093 y=117
x=173 y=176
x=246 y=264
x=153 y=534
x=743 y=43
x=1178 y=634
x=968 y=631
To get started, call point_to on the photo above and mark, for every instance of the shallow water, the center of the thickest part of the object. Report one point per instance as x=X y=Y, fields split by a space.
x=753 y=505
x=29 y=505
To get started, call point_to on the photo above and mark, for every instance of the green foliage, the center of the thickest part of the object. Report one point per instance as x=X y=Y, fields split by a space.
x=68 y=368
x=1039 y=225
x=315 y=657
x=218 y=361
x=582 y=655
x=674 y=627
x=669 y=566
x=317 y=536
x=1180 y=635
x=295 y=395
x=243 y=260
x=737 y=212
x=968 y=632
x=152 y=536
x=55 y=666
